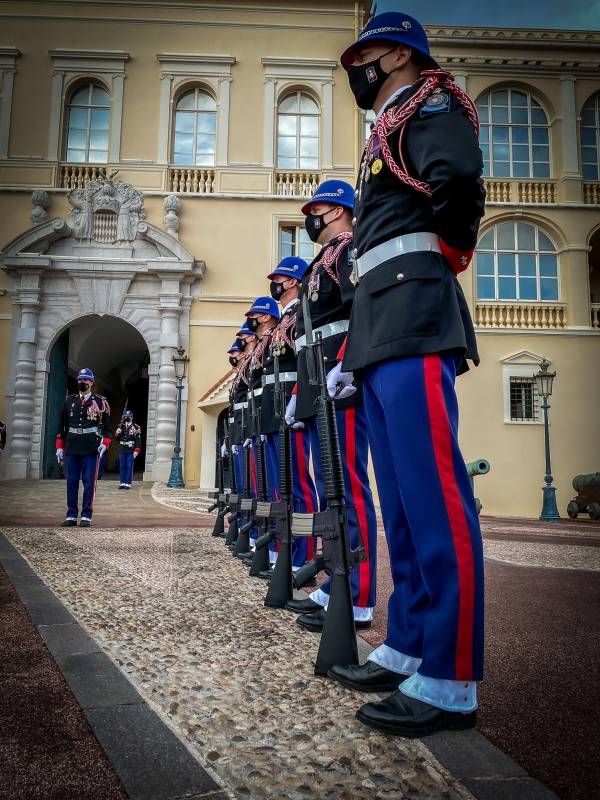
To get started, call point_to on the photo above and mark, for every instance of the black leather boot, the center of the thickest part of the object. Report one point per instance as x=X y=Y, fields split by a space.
x=400 y=715
x=368 y=677
x=306 y=606
x=316 y=620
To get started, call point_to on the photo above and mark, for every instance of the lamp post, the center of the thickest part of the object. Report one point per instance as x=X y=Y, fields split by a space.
x=544 y=380
x=180 y=362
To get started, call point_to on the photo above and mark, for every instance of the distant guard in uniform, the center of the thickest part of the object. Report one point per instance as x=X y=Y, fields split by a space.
x=239 y=358
x=130 y=442
x=328 y=222
x=82 y=438
x=285 y=287
x=419 y=200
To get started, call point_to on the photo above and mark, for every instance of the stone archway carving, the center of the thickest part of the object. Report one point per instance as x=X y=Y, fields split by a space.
x=59 y=271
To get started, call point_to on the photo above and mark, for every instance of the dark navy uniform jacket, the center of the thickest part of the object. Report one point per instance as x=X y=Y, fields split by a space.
x=239 y=394
x=269 y=421
x=413 y=304
x=130 y=438
x=333 y=304
x=255 y=373
x=90 y=421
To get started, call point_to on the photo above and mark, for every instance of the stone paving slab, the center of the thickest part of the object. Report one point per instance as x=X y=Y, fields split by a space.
x=236 y=680
x=95 y=680
x=67 y=639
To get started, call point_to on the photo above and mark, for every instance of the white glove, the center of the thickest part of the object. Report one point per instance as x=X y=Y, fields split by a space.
x=263 y=438
x=235 y=449
x=135 y=455
x=101 y=450
x=247 y=443
x=290 y=415
x=118 y=431
x=223 y=450
x=59 y=455
x=339 y=384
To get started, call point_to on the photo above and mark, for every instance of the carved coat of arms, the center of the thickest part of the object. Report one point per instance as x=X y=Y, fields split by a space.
x=106 y=212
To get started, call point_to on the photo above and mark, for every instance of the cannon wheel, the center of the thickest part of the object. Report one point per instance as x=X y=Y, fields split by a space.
x=594 y=511
x=573 y=510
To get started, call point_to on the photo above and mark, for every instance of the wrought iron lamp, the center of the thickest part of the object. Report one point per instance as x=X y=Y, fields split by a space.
x=544 y=381
x=180 y=363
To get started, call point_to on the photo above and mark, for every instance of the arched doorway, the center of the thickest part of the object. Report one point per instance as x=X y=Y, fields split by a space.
x=119 y=358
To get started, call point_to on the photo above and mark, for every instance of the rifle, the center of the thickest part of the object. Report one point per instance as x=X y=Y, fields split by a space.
x=279 y=513
x=233 y=499
x=260 y=560
x=338 y=640
x=247 y=502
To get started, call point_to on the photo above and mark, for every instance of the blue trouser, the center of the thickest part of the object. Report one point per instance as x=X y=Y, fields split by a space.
x=126 y=466
x=304 y=496
x=435 y=612
x=238 y=469
x=84 y=469
x=352 y=431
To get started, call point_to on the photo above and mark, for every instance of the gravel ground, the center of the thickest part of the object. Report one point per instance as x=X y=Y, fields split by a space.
x=48 y=751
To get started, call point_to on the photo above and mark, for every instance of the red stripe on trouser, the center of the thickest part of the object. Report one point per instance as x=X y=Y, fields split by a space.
x=95 y=482
x=301 y=465
x=364 y=575
x=252 y=472
x=442 y=447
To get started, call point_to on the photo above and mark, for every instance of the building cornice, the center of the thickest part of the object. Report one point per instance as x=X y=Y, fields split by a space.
x=195 y=58
x=284 y=61
x=96 y=55
x=534 y=39
x=515 y=65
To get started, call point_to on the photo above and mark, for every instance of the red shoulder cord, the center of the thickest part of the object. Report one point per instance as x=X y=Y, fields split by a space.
x=396 y=118
x=283 y=332
x=329 y=257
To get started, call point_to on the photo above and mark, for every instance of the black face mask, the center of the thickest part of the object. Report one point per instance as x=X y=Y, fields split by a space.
x=366 y=80
x=315 y=225
x=241 y=343
x=253 y=323
x=233 y=361
x=83 y=387
x=276 y=290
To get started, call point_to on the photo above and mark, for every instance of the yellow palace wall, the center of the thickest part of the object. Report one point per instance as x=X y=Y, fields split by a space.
x=234 y=229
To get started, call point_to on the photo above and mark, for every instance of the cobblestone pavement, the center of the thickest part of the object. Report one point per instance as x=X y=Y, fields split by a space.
x=189 y=629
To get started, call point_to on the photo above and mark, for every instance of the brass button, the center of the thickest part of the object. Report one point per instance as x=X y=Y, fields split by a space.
x=400 y=275
x=354 y=220
x=355 y=252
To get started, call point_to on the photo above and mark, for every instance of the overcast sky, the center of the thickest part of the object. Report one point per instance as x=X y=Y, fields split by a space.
x=505 y=14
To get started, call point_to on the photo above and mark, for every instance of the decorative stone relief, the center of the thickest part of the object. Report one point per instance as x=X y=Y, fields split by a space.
x=106 y=212
x=172 y=206
x=41 y=203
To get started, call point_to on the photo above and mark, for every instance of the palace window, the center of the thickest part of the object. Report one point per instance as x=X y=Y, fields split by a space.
x=514 y=135
x=195 y=129
x=88 y=125
x=589 y=138
x=294 y=241
x=516 y=261
x=523 y=399
x=298 y=132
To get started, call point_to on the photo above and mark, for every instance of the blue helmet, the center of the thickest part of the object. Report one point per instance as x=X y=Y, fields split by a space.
x=86 y=374
x=290 y=267
x=235 y=348
x=339 y=193
x=245 y=330
x=264 y=305
x=128 y=415
x=392 y=26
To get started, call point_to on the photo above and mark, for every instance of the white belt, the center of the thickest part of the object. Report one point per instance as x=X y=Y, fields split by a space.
x=284 y=377
x=409 y=243
x=239 y=406
x=325 y=330
x=83 y=430
x=257 y=392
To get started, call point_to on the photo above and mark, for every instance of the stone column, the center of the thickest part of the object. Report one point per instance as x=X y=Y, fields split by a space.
x=575 y=281
x=28 y=300
x=166 y=396
x=570 y=177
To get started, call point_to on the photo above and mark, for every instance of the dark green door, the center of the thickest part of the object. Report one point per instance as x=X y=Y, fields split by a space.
x=57 y=389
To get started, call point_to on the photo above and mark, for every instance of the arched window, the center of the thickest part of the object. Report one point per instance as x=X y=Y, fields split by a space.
x=88 y=124
x=195 y=129
x=514 y=135
x=298 y=132
x=516 y=261
x=589 y=137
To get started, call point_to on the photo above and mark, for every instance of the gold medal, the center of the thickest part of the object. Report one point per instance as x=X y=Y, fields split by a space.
x=377 y=165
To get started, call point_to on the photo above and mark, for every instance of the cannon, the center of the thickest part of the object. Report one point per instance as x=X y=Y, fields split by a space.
x=478 y=467
x=587 y=499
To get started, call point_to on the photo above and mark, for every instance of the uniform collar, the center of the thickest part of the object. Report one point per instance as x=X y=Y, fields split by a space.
x=291 y=304
x=85 y=397
x=391 y=99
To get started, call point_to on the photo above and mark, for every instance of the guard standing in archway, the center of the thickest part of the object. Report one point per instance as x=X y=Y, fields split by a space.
x=82 y=438
x=130 y=437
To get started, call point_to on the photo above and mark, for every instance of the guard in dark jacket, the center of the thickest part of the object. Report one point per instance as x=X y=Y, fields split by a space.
x=419 y=200
x=285 y=286
x=330 y=293
x=238 y=398
x=82 y=438
x=130 y=442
